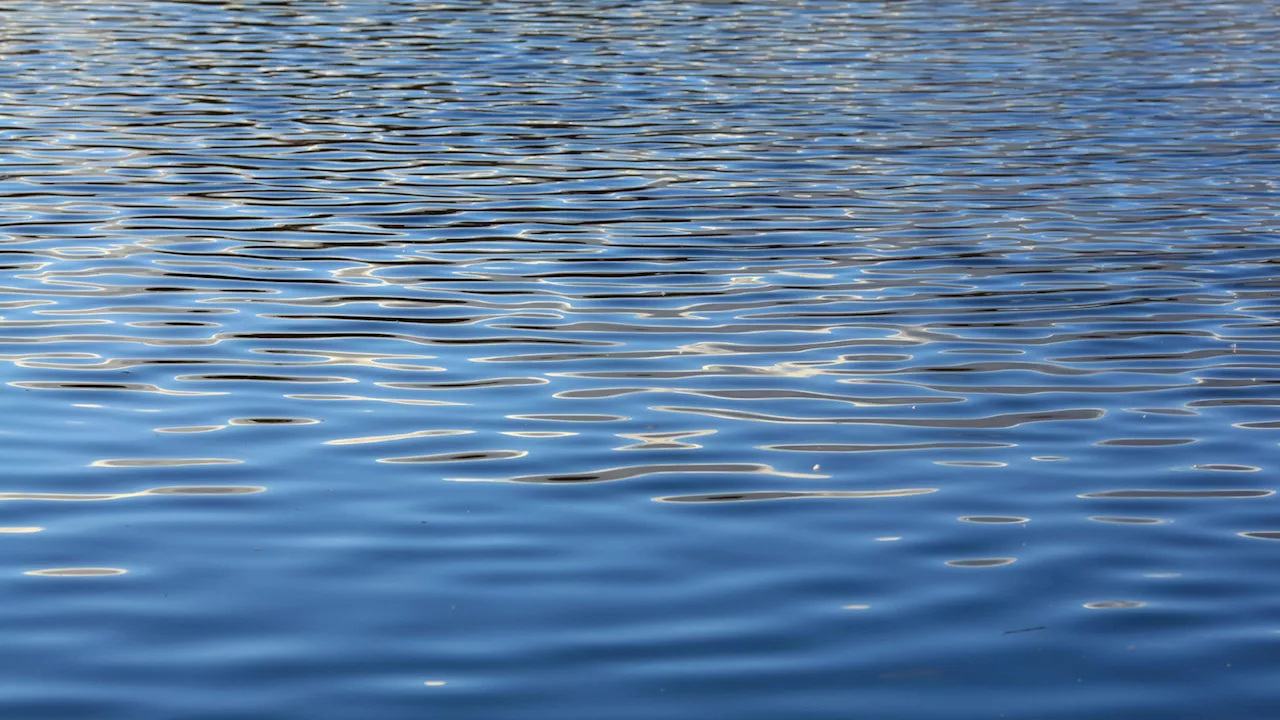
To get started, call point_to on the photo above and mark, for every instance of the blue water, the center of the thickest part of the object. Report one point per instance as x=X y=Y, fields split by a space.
x=578 y=360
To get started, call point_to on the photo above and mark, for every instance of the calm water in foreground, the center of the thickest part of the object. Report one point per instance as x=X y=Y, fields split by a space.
x=579 y=360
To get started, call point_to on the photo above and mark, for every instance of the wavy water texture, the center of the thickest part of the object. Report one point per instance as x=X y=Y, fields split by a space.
x=739 y=316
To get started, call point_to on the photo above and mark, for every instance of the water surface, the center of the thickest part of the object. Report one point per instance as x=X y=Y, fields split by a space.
x=620 y=361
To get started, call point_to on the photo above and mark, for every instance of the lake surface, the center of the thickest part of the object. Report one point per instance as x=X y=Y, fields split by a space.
x=622 y=361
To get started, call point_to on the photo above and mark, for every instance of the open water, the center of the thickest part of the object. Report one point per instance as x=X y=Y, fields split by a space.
x=576 y=360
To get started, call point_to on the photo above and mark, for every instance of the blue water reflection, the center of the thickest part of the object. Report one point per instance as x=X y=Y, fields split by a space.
x=752 y=360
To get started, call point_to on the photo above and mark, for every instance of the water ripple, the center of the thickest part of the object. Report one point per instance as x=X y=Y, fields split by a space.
x=996 y=268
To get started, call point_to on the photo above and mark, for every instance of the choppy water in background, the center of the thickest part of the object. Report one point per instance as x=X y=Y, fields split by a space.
x=804 y=360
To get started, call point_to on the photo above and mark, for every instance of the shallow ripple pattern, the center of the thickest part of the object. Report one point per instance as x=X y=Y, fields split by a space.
x=597 y=360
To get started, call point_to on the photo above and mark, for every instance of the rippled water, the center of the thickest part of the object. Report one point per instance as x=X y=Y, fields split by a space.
x=642 y=360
